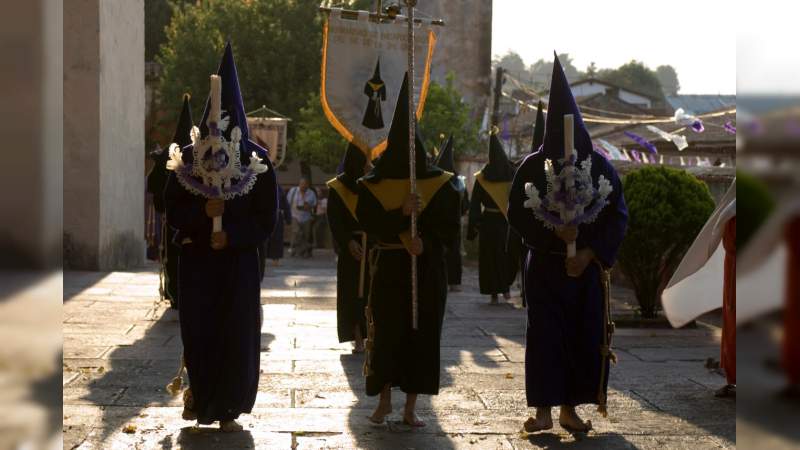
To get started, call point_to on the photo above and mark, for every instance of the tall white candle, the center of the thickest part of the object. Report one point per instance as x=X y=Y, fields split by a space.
x=569 y=145
x=214 y=116
x=215 y=113
x=569 y=135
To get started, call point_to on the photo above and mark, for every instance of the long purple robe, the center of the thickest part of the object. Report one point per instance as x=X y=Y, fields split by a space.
x=564 y=361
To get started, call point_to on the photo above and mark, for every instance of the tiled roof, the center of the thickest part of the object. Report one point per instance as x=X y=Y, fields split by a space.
x=701 y=104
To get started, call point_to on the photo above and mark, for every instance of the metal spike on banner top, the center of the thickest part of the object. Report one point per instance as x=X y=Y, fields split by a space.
x=389 y=13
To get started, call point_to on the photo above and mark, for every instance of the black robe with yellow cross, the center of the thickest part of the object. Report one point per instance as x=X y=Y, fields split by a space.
x=498 y=253
x=445 y=160
x=352 y=276
x=397 y=354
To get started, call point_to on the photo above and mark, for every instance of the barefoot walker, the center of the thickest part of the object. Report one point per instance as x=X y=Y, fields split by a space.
x=573 y=230
x=351 y=243
x=222 y=199
x=498 y=262
x=399 y=354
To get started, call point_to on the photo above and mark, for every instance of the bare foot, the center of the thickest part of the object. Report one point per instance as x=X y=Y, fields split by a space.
x=358 y=346
x=493 y=301
x=380 y=413
x=569 y=420
x=412 y=420
x=539 y=424
x=188 y=406
x=188 y=414
x=230 y=426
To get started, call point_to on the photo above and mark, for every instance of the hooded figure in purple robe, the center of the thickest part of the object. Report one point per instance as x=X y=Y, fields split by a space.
x=218 y=281
x=568 y=338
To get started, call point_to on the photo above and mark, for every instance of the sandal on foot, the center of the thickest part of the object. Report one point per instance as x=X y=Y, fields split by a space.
x=532 y=426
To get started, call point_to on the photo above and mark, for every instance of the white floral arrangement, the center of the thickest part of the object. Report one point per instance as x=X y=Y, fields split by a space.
x=216 y=170
x=571 y=197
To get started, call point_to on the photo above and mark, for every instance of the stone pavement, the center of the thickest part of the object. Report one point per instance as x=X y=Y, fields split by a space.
x=121 y=349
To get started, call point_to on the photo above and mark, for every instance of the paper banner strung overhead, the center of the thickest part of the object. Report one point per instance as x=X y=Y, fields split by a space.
x=641 y=141
x=677 y=139
x=363 y=65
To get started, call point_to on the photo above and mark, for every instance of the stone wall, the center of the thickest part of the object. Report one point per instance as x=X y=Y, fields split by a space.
x=464 y=47
x=104 y=110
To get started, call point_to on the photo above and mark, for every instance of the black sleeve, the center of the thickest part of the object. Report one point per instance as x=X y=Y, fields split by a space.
x=440 y=220
x=338 y=221
x=256 y=225
x=474 y=211
x=186 y=212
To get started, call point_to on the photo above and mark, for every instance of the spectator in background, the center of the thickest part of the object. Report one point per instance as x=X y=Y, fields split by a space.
x=321 y=221
x=302 y=201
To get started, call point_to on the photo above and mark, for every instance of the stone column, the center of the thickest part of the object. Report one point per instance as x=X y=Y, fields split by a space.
x=104 y=112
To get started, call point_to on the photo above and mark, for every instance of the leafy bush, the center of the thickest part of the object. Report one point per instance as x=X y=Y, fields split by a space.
x=667 y=208
x=755 y=203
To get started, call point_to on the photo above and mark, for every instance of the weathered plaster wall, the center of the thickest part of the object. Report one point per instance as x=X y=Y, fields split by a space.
x=104 y=133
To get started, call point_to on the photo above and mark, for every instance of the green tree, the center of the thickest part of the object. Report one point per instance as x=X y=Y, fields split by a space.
x=157 y=15
x=668 y=78
x=542 y=70
x=445 y=113
x=277 y=45
x=591 y=70
x=667 y=208
x=636 y=76
x=513 y=64
x=316 y=141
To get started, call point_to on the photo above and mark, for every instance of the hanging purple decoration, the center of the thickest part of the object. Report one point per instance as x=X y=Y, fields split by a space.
x=697 y=126
x=729 y=127
x=602 y=151
x=641 y=141
x=635 y=155
x=505 y=135
x=792 y=128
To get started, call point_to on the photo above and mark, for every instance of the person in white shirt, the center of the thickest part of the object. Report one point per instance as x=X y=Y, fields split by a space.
x=302 y=201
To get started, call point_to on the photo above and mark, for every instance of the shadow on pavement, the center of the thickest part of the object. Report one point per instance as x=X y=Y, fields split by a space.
x=393 y=433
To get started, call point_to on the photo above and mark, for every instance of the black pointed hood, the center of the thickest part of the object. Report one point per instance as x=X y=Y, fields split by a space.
x=445 y=159
x=561 y=103
x=157 y=178
x=351 y=168
x=181 y=136
x=498 y=168
x=376 y=76
x=393 y=162
x=538 y=128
